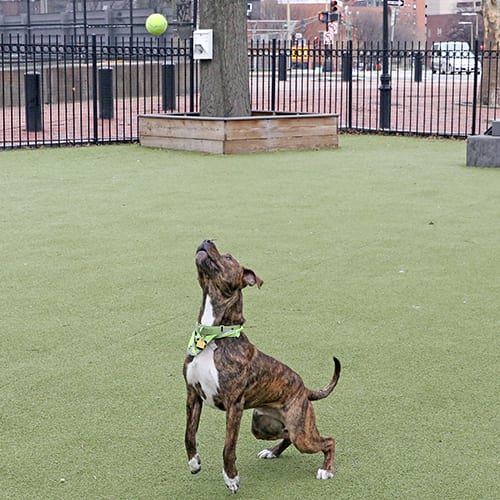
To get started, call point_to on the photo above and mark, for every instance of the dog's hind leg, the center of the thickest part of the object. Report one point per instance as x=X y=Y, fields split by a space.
x=310 y=444
x=327 y=471
x=266 y=425
x=275 y=451
x=193 y=413
x=308 y=440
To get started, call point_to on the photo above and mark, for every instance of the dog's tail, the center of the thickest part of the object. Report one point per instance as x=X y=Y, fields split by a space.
x=326 y=391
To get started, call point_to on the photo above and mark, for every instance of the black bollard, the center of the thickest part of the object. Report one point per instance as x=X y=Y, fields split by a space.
x=106 y=93
x=346 y=66
x=282 y=67
x=419 y=63
x=168 y=87
x=33 y=102
x=328 y=64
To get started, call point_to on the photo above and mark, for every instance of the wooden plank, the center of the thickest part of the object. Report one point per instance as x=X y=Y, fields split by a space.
x=281 y=128
x=294 y=133
x=279 y=144
x=183 y=144
x=189 y=129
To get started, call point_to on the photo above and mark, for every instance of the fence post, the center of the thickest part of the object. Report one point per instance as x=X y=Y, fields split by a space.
x=273 y=75
x=33 y=102
x=349 y=86
x=94 y=86
x=191 y=72
x=106 y=93
x=168 y=87
x=475 y=87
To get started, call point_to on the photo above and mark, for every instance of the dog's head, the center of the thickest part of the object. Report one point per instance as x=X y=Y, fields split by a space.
x=222 y=272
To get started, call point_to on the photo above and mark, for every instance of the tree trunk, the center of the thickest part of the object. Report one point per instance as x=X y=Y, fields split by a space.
x=224 y=87
x=490 y=82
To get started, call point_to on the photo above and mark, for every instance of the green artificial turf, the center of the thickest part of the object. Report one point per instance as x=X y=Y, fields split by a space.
x=384 y=253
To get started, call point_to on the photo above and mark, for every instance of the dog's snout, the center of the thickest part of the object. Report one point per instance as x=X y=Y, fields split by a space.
x=205 y=245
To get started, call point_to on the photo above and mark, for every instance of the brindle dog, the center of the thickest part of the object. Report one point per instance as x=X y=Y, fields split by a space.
x=225 y=370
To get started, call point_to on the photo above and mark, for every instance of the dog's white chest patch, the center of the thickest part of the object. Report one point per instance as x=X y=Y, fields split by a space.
x=202 y=371
x=208 y=313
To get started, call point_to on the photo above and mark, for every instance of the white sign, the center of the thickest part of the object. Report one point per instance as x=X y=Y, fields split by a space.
x=203 y=44
x=327 y=37
x=333 y=28
x=396 y=3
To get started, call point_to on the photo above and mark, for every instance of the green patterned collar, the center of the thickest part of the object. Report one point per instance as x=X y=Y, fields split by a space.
x=203 y=335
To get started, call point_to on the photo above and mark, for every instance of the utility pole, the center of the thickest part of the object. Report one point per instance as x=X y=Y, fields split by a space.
x=288 y=21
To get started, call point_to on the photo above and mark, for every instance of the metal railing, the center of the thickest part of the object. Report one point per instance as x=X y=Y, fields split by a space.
x=432 y=93
x=56 y=91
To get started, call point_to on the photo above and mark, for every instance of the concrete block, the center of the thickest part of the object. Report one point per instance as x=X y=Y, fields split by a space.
x=495 y=128
x=483 y=151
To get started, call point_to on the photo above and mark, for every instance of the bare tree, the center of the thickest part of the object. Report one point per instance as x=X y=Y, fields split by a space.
x=271 y=9
x=490 y=84
x=368 y=26
x=224 y=87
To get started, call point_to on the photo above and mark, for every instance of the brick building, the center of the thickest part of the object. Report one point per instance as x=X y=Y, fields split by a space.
x=452 y=20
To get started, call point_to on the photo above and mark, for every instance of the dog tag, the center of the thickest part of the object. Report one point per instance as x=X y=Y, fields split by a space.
x=200 y=344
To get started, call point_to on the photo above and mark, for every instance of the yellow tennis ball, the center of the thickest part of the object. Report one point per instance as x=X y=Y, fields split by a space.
x=156 y=24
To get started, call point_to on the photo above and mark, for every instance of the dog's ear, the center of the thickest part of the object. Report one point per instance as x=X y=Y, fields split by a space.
x=251 y=279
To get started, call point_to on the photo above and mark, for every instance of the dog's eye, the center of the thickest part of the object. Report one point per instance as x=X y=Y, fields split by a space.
x=228 y=257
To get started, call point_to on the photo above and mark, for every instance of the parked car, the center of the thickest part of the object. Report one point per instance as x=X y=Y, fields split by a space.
x=453 y=57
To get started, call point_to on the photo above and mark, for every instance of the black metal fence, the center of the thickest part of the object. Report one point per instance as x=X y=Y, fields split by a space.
x=54 y=92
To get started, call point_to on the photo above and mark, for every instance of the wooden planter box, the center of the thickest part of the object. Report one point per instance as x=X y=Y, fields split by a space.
x=259 y=132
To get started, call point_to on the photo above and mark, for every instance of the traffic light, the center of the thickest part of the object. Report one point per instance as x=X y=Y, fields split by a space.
x=323 y=17
x=334 y=5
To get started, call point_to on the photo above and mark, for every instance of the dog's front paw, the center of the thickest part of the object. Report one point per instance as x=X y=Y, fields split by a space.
x=232 y=483
x=195 y=464
x=324 y=474
x=265 y=454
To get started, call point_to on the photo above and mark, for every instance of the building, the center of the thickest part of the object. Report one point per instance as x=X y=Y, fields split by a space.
x=417 y=20
x=359 y=20
x=452 y=20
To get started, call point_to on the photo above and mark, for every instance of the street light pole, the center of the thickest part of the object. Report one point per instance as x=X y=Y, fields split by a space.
x=131 y=17
x=385 y=77
x=85 y=20
x=192 y=65
x=288 y=20
x=195 y=14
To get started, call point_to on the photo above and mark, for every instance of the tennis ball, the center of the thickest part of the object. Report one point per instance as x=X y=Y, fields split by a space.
x=156 y=24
